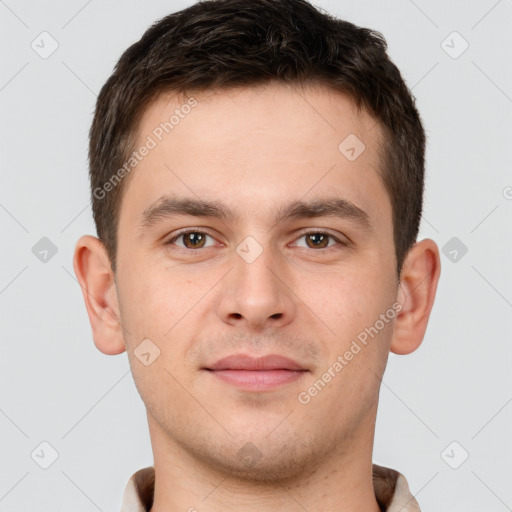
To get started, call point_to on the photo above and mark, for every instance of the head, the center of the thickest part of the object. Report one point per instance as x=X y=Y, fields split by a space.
x=288 y=142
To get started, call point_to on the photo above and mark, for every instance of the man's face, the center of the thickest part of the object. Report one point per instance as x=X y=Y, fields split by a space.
x=258 y=282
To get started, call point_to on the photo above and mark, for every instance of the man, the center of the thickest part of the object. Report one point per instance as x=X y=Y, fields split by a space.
x=257 y=173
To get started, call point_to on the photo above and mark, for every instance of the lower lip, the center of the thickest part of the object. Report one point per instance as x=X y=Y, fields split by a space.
x=258 y=380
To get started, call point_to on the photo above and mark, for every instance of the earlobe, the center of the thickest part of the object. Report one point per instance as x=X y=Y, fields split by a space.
x=94 y=273
x=418 y=285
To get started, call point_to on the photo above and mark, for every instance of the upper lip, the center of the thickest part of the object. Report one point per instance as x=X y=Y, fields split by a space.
x=246 y=362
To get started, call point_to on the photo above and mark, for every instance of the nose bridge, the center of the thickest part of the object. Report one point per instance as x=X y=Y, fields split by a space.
x=258 y=275
x=255 y=292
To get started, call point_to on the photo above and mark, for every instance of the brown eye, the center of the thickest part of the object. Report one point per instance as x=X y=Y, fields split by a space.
x=194 y=240
x=317 y=240
x=191 y=240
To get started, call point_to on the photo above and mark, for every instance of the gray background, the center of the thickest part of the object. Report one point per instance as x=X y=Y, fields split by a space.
x=57 y=387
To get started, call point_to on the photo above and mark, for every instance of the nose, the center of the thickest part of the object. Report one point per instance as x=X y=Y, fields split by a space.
x=256 y=295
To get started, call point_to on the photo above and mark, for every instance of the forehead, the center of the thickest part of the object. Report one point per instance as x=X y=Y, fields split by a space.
x=257 y=147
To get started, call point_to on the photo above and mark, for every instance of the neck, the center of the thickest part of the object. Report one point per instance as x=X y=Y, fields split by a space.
x=340 y=480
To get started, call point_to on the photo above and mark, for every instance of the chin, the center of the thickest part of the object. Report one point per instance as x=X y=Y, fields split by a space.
x=260 y=459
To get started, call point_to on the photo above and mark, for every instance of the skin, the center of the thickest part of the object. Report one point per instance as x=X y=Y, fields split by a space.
x=255 y=150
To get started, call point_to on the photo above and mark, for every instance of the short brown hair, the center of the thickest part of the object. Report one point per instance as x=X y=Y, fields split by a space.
x=226 y=43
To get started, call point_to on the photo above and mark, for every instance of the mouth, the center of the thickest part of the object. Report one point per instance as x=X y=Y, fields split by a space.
x=256 y=374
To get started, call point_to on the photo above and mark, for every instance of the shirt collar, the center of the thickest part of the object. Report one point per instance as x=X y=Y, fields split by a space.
x=391 y=490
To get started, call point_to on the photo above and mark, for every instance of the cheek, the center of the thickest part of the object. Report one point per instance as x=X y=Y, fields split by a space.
x=154 y=307
x=169 y=308
x=356 y=348
x=151 y=287
x=346 y=302
x=350 y=309
x=150 y=304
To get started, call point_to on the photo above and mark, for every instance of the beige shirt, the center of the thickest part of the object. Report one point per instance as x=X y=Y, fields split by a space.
x=391 y=490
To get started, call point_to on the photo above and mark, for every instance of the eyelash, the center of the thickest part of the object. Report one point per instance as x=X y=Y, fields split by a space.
x=310 y=232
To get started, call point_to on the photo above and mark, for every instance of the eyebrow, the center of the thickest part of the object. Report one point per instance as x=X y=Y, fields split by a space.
x=170 y=206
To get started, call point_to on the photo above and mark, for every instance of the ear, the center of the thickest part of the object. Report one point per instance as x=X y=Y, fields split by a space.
x=96 y=278
x=418 y=285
